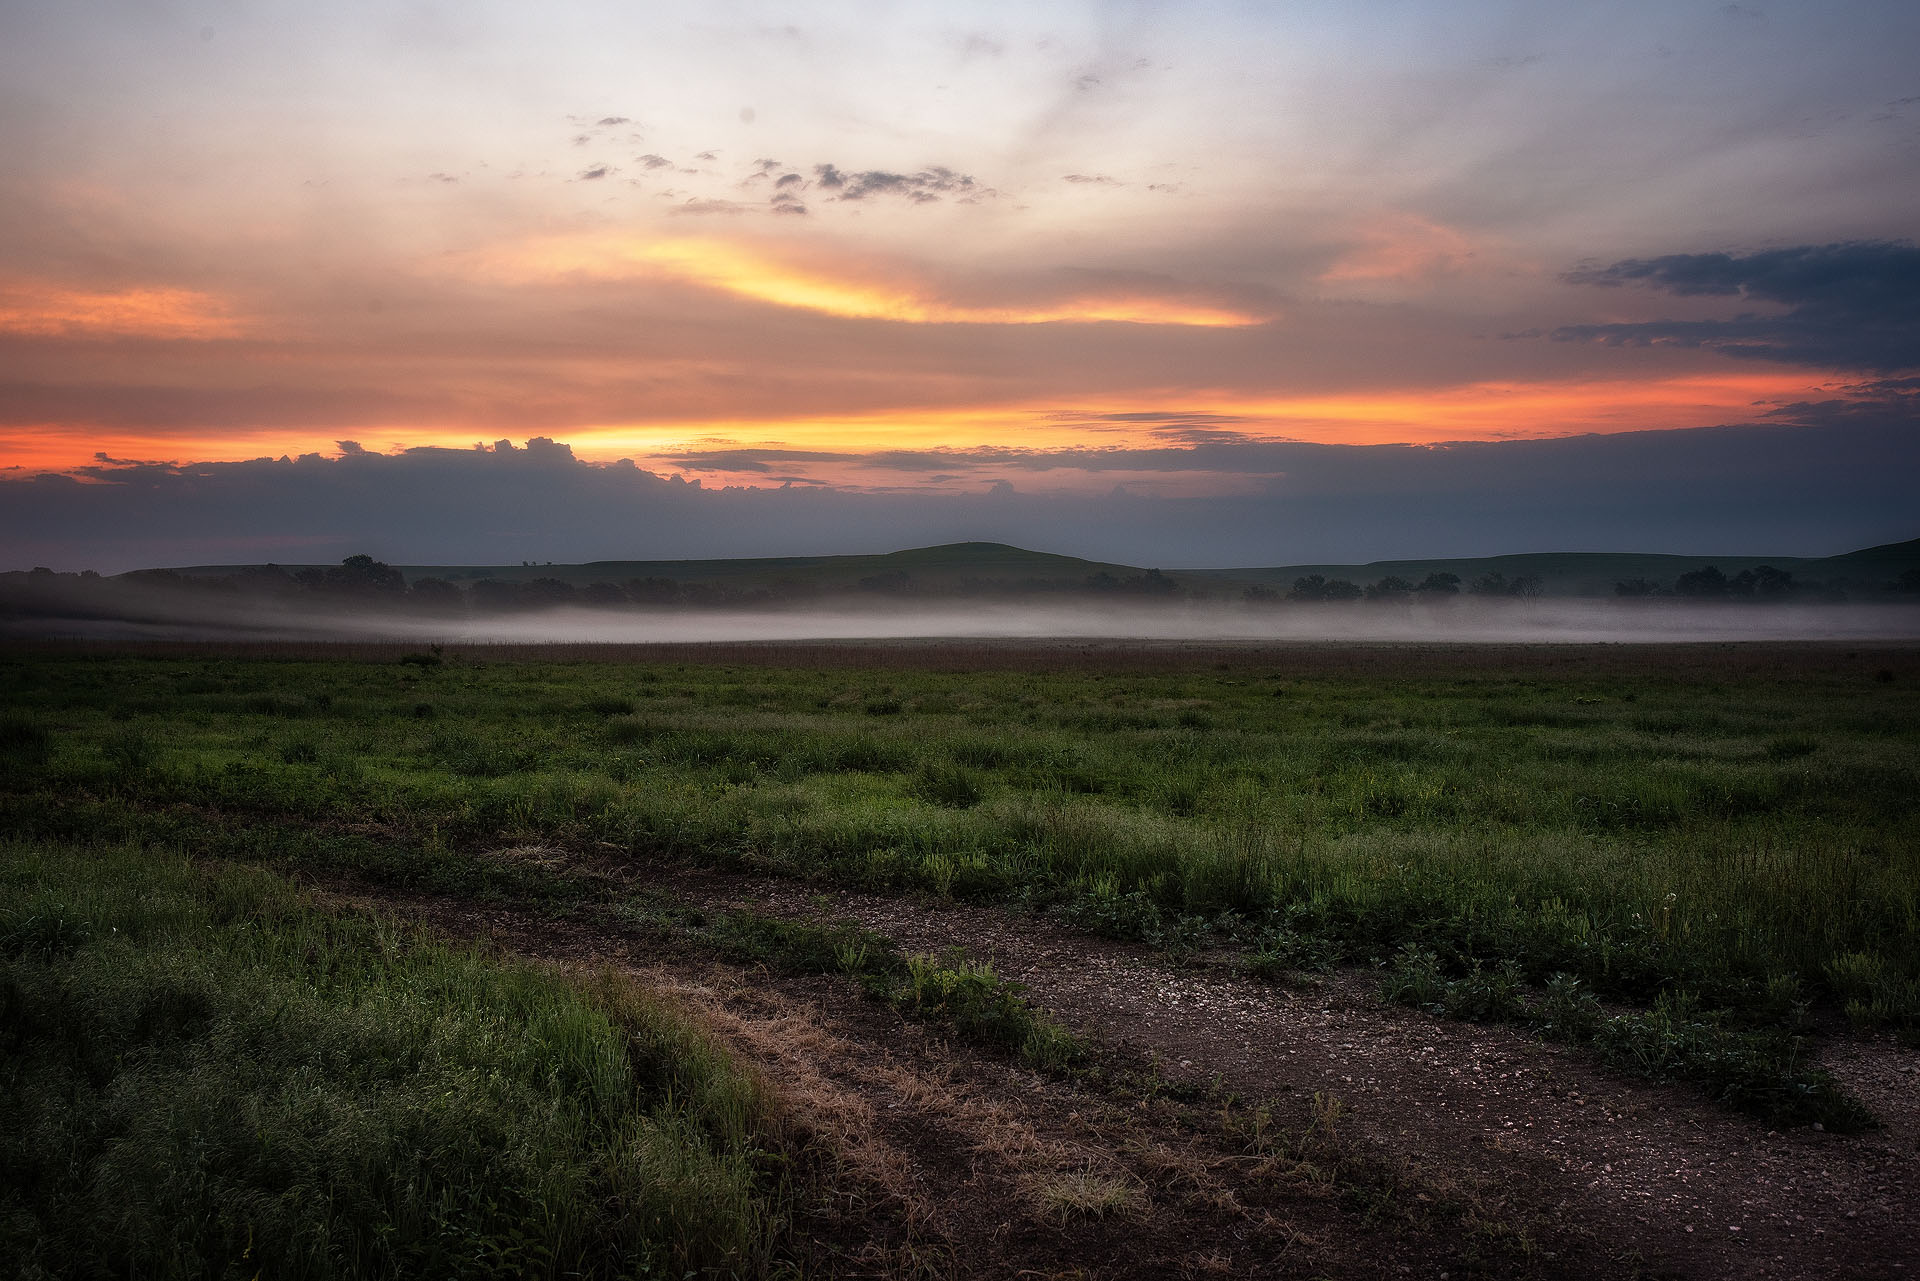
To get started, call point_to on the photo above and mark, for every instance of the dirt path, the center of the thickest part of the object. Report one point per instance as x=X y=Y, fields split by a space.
x=1662 y=1175
x=1459 y=1150
x=941 y=1160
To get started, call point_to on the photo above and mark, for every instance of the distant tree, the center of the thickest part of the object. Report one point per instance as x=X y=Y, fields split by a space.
x=1527 y=587
x=653 y=591
x=1635 y=587
x=1390 y=588
x=436 y=596
x=1494 y=584
x=1342 y=589
x=1763 y=582
x=603 y=596
x=363 y=575
x=1443 y=584
x=1260 y=595
x=1707 y=582
x=491 y=596
x=1908 y=582
x=1153 y=583
x=1309 y=587
x=544 y=593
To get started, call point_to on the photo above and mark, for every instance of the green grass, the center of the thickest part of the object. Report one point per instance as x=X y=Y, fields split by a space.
x=964 y=996
x=1661 y=824
x=203 y=1074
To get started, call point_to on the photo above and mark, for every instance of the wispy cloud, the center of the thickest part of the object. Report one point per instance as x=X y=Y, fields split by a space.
x=155 y=312
x=766 y=275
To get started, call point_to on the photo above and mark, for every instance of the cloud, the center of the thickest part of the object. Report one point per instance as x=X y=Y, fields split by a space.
x=651 y=161
x=1851 y=305
x=1092 y=179
x=696 y=206
x=597 y=172
x=865 y=291
x=1820 y=479
x=151 y=312
x=923 y=187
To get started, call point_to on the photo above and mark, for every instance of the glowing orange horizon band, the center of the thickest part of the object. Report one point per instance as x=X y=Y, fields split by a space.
x=1472 y=412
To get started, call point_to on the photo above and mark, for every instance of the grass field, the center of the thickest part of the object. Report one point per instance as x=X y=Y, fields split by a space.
x=1739 y=825
x=203 y=1073
x=1686 y=860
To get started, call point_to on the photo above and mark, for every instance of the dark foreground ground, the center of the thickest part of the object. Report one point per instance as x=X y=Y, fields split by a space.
x=1337 y=961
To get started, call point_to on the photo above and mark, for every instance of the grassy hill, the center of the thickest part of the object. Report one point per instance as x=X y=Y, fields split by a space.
x=1595 y=573
x=982 y=566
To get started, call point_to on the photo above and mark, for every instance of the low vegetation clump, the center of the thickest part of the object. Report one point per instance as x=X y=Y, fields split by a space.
x=1709 y=825
x=204 y=1074
x=964 y=996
x=1755 y=1068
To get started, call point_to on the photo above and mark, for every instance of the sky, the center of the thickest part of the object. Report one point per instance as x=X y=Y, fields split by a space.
x=1193 y=284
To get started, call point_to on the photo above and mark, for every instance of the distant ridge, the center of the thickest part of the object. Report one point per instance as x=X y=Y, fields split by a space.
x=950 y=566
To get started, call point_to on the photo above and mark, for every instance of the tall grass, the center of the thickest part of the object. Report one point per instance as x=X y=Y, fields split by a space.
x=202 y=1074
x=1645 y=821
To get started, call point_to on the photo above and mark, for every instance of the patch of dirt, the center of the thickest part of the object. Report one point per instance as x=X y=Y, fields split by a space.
x=1667 y=1181
x=938 y=1159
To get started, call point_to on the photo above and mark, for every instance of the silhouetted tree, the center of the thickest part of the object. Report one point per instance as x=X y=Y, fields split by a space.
x=1635 y=587
x=1440 y=583
x=363 y=575
x=603 y=596
x=1764 y=582
x=1706 y=582
x=436 y=596
x=1390 y=588
x=543 y=593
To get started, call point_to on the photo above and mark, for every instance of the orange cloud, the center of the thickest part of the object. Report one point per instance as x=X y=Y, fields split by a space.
x=1464 y=412
x=747 y=272
x=130 y=313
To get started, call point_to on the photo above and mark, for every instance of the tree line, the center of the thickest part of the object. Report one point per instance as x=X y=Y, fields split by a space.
x=1762 y=583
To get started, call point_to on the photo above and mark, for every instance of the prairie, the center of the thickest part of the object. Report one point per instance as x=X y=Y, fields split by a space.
x=1693 y=867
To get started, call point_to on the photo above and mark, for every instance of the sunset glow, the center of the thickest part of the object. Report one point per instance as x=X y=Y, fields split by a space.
x=127 y=313
x=1065 y=248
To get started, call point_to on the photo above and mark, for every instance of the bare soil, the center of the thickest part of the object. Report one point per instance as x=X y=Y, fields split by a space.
x=1237 y=1128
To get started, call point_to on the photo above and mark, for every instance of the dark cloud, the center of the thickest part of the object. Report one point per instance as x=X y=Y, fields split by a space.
x=349 y=447
x=598 y=171
x=789 y=180
x=1092 y=179
x=748 y=460
x=695 y=206
x=1817 y=478
x=609 y=121
x=924 y=187
x=1852 y=306
x=651 y=161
